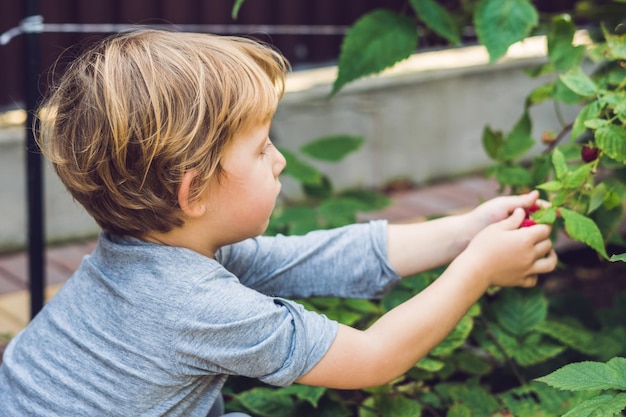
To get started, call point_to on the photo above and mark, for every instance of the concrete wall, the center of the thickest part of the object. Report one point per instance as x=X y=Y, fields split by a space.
x=422 y=120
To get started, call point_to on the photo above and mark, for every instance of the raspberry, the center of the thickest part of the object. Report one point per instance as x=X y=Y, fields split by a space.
x=589 y=153
x=532 y=209
x=528 y=223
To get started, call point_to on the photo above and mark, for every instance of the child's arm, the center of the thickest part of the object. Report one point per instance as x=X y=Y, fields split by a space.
x=425 y=245
x=501 y=254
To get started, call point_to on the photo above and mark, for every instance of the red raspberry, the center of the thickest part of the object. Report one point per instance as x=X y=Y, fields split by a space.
x=528 y=223
x=589 y=153
x=532 y=209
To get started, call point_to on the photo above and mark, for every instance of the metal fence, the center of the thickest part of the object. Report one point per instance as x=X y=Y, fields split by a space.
x=307 y=32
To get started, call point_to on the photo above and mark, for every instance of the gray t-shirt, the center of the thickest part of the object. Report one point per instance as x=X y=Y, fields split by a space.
x=148 y=330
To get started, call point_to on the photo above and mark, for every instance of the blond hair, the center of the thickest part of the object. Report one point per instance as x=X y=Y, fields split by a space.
x=133 y=114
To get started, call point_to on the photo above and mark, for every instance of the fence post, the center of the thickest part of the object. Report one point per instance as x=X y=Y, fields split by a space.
x=34 y=165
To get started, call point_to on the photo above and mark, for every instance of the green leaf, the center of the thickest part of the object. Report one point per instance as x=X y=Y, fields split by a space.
x=267 y=402
x=539 y=95
x=306 y=393
x=514 y=175
x=577 y=81
x=559 y=164
x=575 y=337
x=456 y=338
x=459 y=410
x=584 y=230
x=472 y=364
x=602 y=406
x=611 y=139
x=545 y=216
x=369 y=200
x=565 y=94
x=590 y=111
x=339 y=211
x=398 y=406
x=300 y=170
x=578 y=177
x=332 y=148
x=377 y=41
x=520 y=310
x=474 y=397
x=533 y=350
x=429 y=364
x=587 y=375
x=501 y=23
x=438 y=19
x=561 y=53
x=520 y=140
x=616 y=44
x=551 y=186
x=618 y=257
x=493 y=142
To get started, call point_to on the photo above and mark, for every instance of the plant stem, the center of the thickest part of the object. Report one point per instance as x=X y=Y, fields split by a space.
x=566 y=129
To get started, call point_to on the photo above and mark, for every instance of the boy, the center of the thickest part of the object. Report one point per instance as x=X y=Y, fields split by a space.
x=163 y=138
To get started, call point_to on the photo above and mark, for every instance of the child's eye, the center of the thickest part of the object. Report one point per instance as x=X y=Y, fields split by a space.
x=266 y=148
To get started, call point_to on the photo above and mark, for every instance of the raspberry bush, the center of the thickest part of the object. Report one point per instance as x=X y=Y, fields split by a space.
x=517 y=352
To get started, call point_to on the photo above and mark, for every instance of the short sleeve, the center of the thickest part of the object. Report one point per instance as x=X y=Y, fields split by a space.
x=227 y=328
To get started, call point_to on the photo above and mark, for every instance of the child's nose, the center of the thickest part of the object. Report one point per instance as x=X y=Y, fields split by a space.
x=279 y=162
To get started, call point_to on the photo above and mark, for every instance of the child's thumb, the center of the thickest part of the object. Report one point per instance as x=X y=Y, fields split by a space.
x=514 y=221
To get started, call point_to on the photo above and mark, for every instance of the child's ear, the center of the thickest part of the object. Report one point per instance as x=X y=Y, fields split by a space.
x=189 y=208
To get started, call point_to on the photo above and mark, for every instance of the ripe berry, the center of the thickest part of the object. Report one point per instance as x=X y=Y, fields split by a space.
x=528 y=223
x=589 y=153
x=532 y=209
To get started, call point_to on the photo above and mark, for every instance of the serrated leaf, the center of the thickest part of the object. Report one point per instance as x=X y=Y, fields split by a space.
x=590 y=111
x=397 y=406
x=475 y=397
x=575 y=337
x=300 y=170
x=597 y=197
x=579 y=82
x=520 y=140
x=438 y=19
x=578 y=176
x=561 y=53
x=611 y=139
x=584 y=230
x=332 y=148
x=602 y=406
x=587 y=375
x=377 y=41
x=520 y=310
x=501 y=23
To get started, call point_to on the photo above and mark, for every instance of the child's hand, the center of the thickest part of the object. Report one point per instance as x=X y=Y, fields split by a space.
x=500 y=208
x=505 y=254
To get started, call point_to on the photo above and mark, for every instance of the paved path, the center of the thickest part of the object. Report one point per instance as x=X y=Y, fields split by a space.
x=436 y=199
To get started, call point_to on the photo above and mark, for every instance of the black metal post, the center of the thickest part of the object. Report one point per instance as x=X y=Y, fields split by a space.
x=34 y=165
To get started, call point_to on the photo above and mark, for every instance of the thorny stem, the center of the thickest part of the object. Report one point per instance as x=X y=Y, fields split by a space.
x=508 y=359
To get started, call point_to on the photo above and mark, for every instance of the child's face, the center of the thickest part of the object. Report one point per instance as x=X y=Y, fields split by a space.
x=243 y=198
